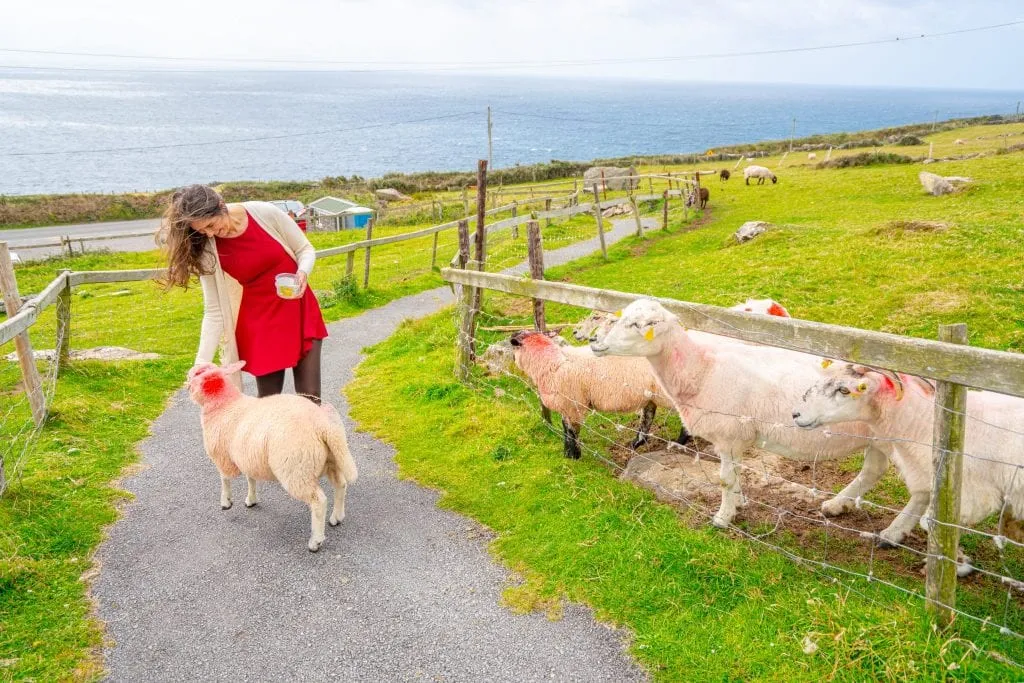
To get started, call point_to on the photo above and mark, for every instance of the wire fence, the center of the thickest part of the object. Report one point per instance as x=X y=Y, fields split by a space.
x=783 y=498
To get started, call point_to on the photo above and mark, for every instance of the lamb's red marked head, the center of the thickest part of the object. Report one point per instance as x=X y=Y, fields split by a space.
x=208 y=384
x=777 y=309
x=533 y=339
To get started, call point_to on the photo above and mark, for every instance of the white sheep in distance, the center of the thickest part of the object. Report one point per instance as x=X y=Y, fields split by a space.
x=571 y=380
x=759 y=172
x=762 y=307
x=900 y=410
x=284 y=438
x=737 y=396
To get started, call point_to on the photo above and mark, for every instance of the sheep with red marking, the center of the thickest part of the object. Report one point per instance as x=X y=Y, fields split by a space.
x=762 y=307
x=571 y=381
x=284 y=438
x=900 y=411
x=737 y=396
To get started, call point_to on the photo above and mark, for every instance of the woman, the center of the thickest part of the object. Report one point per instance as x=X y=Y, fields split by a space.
x=237 y=250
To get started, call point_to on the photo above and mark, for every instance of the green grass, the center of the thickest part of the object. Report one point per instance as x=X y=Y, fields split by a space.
x=570 y=529
x=696 y=599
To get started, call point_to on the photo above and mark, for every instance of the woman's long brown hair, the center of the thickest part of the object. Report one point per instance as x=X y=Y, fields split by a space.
x=185 y=247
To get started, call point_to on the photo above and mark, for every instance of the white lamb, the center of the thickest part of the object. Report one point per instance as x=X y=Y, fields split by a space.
x=737 y=396
x=900 y=410
x=571 y=381
x=762 y=307
x=283 y=438
x=759 y=172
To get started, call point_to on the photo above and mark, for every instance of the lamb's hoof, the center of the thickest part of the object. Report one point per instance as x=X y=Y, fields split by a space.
x=314 y=546
x=225 y=507
x=573 y=455
x=637 y=443
x=335 y=521
x=252 y=504
x=683 y=440
x=834 y=507
x=883 y=543
x=720 y=522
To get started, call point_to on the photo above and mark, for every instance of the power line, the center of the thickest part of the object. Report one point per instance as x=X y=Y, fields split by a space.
x=235 y=140
x=508 y=64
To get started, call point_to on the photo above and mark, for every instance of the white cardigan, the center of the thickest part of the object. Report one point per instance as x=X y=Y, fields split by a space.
x=222 y=294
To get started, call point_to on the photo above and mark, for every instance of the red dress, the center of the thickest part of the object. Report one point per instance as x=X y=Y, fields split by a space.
x=272 y=333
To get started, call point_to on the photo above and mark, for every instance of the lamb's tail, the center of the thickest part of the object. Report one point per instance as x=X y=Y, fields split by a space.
x=340 y=462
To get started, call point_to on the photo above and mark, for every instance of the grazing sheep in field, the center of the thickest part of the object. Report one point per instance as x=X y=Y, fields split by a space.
x=737 y=396
x=571 y=381
x=900 y=411
x=724 y=175
x=284 y=438
x=759 y=172
x=762 y=307
x=812 y=155
x=691 y=198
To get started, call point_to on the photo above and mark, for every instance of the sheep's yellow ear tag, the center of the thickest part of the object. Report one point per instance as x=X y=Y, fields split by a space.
x=825 y=363
x=618 y=313
x=649 y=334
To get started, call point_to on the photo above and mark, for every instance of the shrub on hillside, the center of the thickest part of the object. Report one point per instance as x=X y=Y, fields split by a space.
x=866 y=159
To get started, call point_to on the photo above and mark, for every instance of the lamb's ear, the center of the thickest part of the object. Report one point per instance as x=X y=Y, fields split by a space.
x=233 y=367
x=551 y=334
x=859 y=370
x=516 y=339
x=895 y=379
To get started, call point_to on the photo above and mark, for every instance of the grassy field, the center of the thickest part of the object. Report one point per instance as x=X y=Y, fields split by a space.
x=695 y=598
x=690 y=595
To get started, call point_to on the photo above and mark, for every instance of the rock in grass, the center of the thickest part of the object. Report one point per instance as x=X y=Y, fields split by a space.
x=390 y=194
x=750 y=230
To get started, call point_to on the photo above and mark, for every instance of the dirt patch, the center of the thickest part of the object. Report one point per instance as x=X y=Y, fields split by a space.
x=936 y=302
x=900 y=228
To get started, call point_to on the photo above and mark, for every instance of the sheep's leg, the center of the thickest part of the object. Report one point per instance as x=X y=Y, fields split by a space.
x=317 y=515
x=250 y=497
x=875 y=465
x=643 y=432
x=571 y=438
x=338 y=512
x=732 y=496
x=684 y=436
x=225 y=493
x=905 y=520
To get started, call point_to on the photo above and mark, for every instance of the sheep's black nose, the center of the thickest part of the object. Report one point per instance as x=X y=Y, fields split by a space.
x=796 y=415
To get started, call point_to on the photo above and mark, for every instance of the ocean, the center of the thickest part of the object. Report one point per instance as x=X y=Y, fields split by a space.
x=65 y=131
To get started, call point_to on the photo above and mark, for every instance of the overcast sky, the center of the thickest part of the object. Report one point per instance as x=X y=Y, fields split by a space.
x=425 y=33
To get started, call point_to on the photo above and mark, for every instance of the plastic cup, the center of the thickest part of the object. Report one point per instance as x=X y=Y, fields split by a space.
x=287 y=285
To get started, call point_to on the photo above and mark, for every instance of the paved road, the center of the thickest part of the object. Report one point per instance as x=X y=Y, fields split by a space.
x=16 y=238
x=401 y=590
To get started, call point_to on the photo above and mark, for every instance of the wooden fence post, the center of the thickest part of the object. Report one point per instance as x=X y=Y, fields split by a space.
x=604 y=185
x=636 y=215
x=29 y=372
x=547 y=207
x=535 y=251
x=664 y=210
x=433 y=253
x=350 y=264
x=600 y=223
x=947 y=462
x=366 y=271
x=464 y=347
x=465 y=201
x=481 y=230
x=63 y=345
x=515 y=213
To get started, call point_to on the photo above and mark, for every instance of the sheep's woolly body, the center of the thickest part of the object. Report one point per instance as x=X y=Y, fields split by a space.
x=759 y=172
x=571 y=380
x=282 y=438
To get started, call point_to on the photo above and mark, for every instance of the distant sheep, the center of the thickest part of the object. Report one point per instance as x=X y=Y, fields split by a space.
x=759 y=172
x=571 y=381
x=762 y=307
x=284 y=438
x=812 y=155
x=724 y=175
x=691 y=198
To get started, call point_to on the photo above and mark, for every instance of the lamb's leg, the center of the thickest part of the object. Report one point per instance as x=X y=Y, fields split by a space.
x=250 y=497
x=875 y=465
x=643 y=432
x=317 y=515
x=340 y=488
x=684 y=436
x=225 y=493
x=571 y=439
x=732 y=496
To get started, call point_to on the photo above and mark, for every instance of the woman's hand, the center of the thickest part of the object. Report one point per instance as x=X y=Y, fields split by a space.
x=300 y=281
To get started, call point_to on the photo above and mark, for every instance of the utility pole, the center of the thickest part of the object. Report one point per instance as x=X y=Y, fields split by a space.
x=792 y=134
x=935 y=121
x=1018 y=110
x=490 y=147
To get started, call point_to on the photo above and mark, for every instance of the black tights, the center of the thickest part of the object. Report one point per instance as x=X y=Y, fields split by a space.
x=306 y=375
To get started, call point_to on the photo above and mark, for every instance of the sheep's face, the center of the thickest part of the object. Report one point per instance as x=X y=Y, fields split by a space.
x=774 y=179
x=846 y=393
x=640 y=331
x=594 y=326
x=210 y=382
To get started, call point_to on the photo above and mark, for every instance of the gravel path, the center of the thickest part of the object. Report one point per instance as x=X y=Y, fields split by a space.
x=401 y=590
